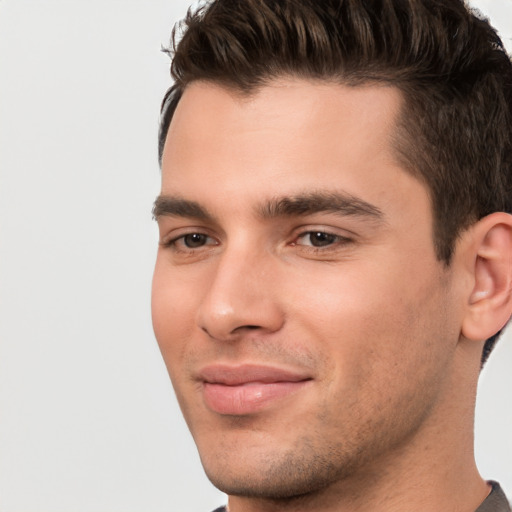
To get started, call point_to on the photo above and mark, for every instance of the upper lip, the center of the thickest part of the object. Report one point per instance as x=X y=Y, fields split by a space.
x=234 y=375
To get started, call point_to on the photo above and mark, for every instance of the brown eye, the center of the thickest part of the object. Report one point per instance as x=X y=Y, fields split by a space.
x=317 y=239
x=320 y=239
x=195 y=240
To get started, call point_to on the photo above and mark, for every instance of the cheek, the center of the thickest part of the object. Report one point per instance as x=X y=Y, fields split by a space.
x=173 y=309
x=384 y=348
x=376 y=322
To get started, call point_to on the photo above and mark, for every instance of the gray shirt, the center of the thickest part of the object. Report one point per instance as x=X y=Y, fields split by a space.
x=495 y=502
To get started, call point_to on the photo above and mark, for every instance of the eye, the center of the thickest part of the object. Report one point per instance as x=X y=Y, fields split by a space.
x=189 y=242
x=194 y=240
x=318 y=239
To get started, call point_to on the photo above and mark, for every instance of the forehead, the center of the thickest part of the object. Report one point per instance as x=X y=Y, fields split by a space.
x=309 y=111
x=285 y=138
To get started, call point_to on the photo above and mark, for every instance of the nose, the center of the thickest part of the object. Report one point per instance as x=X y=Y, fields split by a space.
x=242 y=296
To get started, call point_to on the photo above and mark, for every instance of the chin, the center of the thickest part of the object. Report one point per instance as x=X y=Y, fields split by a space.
x=275 y=476
x=278 y=487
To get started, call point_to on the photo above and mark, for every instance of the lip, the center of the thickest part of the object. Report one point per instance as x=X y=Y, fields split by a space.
x=247 y=389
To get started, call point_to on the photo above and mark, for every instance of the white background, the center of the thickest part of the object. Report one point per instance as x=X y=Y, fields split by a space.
x=88 y=420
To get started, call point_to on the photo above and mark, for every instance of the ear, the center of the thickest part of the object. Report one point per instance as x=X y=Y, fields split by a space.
x=490 y=301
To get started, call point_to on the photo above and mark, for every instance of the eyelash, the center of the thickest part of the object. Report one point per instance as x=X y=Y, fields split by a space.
x=333 y=242
x=178 y=243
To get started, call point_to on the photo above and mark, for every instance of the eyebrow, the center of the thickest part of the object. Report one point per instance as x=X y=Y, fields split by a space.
x=339 y=203
x=170 y=206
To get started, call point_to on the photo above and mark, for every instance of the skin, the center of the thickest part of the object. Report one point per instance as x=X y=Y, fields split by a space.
x=364 y=310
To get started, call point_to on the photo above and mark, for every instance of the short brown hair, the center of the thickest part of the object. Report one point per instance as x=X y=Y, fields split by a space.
x=455 y=129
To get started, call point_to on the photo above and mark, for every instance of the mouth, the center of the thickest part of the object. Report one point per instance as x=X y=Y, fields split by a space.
x=248 y=389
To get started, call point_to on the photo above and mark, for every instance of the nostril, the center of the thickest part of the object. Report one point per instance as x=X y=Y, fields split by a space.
x=235 y=331
x=245 y=328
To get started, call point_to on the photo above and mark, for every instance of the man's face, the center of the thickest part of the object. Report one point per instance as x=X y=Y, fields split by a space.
x=306 y=324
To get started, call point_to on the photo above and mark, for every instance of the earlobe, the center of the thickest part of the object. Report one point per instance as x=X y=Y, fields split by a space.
x=490 y=302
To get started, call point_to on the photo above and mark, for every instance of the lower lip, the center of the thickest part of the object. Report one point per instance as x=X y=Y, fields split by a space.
x=247 y=398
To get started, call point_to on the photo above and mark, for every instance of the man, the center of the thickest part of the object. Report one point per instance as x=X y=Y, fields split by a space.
x=335 y=253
